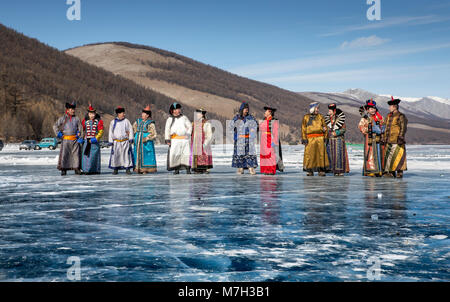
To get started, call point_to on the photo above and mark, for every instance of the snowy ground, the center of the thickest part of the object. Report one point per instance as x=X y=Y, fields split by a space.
x=224 y=227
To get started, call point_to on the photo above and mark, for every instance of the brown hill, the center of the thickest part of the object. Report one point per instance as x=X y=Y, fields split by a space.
x=36 y=80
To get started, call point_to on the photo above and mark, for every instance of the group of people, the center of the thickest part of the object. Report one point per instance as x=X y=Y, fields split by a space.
x=133 y=148
x=384 y=141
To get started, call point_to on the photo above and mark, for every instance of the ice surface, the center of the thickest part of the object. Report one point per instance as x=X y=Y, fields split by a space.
x=221 y=226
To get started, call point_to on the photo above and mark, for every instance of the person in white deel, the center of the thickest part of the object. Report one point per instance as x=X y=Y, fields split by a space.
x=178 y=137
x=120 y=138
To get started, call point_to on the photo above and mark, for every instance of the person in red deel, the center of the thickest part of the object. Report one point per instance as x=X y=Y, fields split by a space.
x=93 y=131
x=271 y=158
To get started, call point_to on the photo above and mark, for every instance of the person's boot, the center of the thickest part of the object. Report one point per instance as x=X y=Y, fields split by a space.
x=322 y=173
x=252 y=171
x=63 y=172
x=176 y=172
x=400 y=174
x=128 y=172
x=77 y=171
x=240 y=171
x=115 y=171
x=310 y=174
x=188 y=171
x=388 y=175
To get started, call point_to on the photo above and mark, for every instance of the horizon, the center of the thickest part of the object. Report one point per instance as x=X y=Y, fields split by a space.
x=302 y=47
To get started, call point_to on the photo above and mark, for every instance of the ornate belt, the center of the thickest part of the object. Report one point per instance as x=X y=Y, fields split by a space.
x=174 y=136
x=244 y=136
x=314 y=135
x=69 y=137
x=121 y=140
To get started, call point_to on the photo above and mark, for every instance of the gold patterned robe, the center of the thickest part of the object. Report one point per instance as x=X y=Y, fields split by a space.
x=394 y=139
x=314 y=134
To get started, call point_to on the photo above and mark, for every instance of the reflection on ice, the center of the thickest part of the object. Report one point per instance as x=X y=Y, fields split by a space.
x=222 y=227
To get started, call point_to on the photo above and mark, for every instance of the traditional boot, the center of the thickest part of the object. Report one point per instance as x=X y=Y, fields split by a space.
x=63 y=172
x=176 y=172
x=115 y=171
x=322 y=173
x=252 y=171
x=188 y=171
x=240 y=171
x=310 y=174
x=77 y=172
x=128 y=172
x=400 y=174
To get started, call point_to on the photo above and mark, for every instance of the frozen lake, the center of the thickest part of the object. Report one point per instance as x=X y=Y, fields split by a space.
x=225 y=227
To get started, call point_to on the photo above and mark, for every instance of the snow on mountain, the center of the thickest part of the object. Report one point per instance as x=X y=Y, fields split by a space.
x=426 y=107
x=438 y=99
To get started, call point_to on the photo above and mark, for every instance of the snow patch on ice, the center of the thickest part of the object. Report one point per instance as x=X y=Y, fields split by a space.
x=439 y=237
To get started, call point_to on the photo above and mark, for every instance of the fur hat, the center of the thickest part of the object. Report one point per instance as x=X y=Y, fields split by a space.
x=72 y=105
x=120 y=110
x=270 y=108
x=394 y=101
x=91 y=109
x=174 y=106
x=371 y=103
x=147 y=110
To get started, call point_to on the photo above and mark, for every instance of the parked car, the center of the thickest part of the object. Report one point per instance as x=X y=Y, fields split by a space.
x=28 y=145
x=104 y=144
x=48 y=142
x=1 y=145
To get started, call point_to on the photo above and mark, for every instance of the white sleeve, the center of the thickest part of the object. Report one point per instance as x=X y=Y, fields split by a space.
x=188 y=125
x=208 y=133
x=130 y=130
x=167 y=130
x=111 y=135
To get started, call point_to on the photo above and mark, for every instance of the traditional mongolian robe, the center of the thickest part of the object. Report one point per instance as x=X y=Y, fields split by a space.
x=394 y=139
x=178 y=131
x=245 y=131
x=336 y=148
x=144 y=148
x=69 y=155
x=201 y=155
x=120 y=134
x=315 y=158
x=372 y=128
x=90 y=158
x=271 y=158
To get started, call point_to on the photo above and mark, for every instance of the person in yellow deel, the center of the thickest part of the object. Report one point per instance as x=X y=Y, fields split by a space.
x=394 y=141
x=314 y=137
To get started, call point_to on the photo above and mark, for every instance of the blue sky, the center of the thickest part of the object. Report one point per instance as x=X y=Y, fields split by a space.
x=322 y=45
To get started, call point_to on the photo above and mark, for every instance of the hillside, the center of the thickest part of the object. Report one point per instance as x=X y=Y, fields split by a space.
x=36 y=80
x=194 y=83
